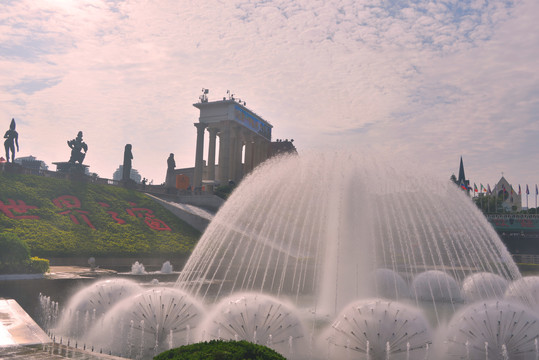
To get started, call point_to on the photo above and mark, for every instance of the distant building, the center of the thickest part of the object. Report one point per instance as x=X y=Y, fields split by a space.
x=244 y=141
x=134 y=175
x=512 y=200
x=30 y=162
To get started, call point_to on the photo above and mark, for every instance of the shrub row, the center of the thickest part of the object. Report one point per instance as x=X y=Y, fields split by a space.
x=33 y=265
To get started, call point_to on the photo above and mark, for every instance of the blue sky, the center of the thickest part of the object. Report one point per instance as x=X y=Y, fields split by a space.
x=418 y=80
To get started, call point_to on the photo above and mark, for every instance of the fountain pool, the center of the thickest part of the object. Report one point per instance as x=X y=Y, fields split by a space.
x=335 y=255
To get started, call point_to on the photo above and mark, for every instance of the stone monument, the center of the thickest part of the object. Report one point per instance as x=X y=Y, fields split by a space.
x=78 y=152
x=126 y=170
x=170 y=180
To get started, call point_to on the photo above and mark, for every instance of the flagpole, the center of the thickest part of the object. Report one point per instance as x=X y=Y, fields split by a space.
x=536 y=198
x=489 y=192
x=527 y=193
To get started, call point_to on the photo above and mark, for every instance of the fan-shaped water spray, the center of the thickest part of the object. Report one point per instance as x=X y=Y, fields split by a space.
x=257 y=318
x=483 y=286
x=493 y=330
x=148 y=323
x=378 y=330
x=389 y=284
x=524 y=291
x=92 y=302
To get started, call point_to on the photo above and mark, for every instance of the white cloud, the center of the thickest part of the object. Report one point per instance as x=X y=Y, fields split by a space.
x=421 y=78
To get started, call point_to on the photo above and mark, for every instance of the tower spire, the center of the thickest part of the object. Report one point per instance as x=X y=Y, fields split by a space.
x=462 y=178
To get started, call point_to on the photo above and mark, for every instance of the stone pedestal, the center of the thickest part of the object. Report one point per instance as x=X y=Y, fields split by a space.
x=73 y=171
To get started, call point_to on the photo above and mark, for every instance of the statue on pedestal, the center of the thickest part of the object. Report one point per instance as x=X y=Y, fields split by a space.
x=12 y=139
x=77 y=145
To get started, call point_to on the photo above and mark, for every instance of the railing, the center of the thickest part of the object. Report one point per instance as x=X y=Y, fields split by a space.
x=512 y=216
x=526 y=258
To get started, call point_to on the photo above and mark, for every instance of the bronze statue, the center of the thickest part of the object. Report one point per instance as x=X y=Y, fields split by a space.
x=128 y=156
x=12 y=139
x=77 y=145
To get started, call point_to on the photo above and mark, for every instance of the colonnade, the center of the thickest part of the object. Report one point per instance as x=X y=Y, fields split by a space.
x=232 y=139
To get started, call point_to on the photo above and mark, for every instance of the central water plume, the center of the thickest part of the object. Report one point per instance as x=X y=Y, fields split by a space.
x=322 y=223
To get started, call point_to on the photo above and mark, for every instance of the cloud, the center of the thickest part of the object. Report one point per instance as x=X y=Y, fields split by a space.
x=439 y=79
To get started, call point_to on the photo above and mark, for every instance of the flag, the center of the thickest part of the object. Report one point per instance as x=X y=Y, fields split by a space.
x=463 y=186
x=488 y=188
x=482 y=188
x=475 y=188
x=527 y=190
x=519 y=192
x=536 y=190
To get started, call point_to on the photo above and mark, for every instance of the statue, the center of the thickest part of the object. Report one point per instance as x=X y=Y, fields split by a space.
x=171 y=165
x=77 y=145
x=12 y=139
x=128 y=156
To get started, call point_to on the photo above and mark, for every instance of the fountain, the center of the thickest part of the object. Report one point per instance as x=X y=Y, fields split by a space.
x=166 y=268
x=138 y=268
x=147 y=323
x=334 y=254
x=91 y=303
x=386 y=330
x=493 y=330
x=257 y=318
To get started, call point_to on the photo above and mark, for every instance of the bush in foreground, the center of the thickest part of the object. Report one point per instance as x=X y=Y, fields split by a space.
x=14 y=250
x=221 y=350
x=15 y=257
x=33 y=265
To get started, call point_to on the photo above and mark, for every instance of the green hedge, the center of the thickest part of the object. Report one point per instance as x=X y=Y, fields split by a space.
x=33 y=265
x=221 y=350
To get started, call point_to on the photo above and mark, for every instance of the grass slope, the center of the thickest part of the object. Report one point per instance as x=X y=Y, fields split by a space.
x=51 y=233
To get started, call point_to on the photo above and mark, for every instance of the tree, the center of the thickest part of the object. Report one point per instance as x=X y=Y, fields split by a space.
x=489 y=203
x=14 y=250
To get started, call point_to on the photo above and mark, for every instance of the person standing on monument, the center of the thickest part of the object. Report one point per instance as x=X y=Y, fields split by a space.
x=128 y=156
x=12 y=139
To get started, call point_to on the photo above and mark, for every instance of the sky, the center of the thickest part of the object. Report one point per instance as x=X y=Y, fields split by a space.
x=426 y=81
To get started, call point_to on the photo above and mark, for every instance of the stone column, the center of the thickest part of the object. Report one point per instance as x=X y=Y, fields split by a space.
x=224 y=154
x=256 y=153
x=239 y=160
x=211 y=153
x=199 y=157
x=261 y=151
x=249 y=154
x=234 y=140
